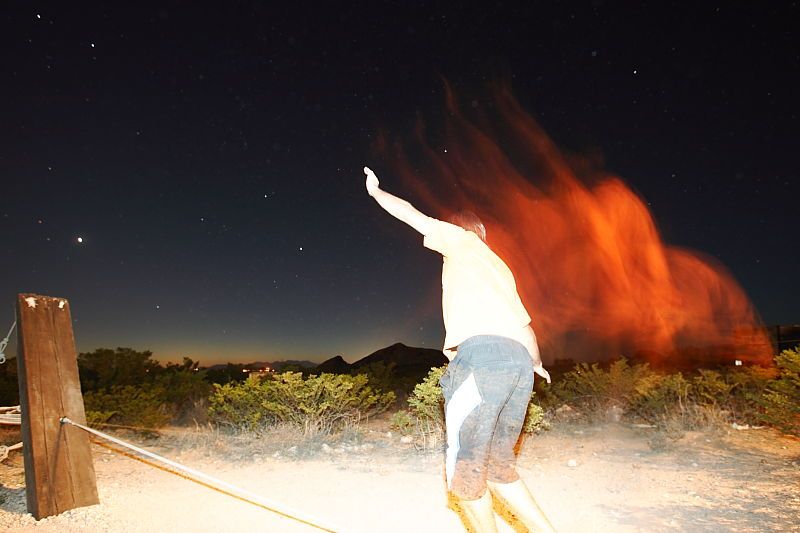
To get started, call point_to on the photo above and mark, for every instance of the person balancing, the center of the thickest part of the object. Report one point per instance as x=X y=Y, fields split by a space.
x=493 y=358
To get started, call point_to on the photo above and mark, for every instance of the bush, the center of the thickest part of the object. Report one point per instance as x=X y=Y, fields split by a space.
x=321 y=404
x=143 y=406
x=380 y=375
x=427 y=401
x=595 y=391
x=658 y=396
x=317 y=404
x=781 y=399
x=117 y=382
x=535 y=418
x=240 y=405
x=673 y=402
x=403 y=422
x=184 y=386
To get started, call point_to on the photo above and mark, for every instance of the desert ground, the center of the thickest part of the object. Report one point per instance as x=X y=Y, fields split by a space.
x=608 y=477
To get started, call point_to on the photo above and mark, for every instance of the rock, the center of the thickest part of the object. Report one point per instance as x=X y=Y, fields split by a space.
x=572 y=463
x=406 y=439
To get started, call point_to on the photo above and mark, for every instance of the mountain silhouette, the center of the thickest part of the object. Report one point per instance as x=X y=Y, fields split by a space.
x=334 y=365
x=409 y=362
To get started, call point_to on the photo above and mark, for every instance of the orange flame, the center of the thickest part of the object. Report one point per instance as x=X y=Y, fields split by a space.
x=588 y=258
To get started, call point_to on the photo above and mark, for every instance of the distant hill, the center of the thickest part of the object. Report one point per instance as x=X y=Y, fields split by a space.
x=275 y=365
x=334 y=365
x=410 y=362
x=279 y=365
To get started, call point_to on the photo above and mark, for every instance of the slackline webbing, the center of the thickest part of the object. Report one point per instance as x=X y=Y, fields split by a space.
x=243 y=494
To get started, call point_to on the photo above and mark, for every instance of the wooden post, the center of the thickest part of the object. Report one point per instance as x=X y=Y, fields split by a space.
x=59 y=473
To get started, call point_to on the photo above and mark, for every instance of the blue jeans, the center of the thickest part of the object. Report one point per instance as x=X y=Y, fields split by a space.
x=486 y=387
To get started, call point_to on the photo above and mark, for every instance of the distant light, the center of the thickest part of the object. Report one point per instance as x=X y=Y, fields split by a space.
x=80 y=240
x=92 y=45
x=38 y=16
x=738 y=362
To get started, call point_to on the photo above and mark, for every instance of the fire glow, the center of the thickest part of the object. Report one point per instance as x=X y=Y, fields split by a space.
x=589 y=261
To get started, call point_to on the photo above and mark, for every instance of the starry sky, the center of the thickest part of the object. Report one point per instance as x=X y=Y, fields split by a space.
x=188 y=174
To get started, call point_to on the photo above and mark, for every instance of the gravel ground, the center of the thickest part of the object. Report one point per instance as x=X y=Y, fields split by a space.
x=586 y=478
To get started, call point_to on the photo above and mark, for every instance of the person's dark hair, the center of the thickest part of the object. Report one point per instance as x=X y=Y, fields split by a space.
x=470 y=222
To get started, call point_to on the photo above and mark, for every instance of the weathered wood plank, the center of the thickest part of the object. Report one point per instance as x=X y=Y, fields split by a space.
x=59 y=473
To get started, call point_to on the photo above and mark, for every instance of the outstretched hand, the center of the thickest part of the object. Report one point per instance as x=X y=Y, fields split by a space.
x=372 y=180
x=539 y=369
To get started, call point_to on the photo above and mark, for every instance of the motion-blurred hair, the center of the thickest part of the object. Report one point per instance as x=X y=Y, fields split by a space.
x=470 y=222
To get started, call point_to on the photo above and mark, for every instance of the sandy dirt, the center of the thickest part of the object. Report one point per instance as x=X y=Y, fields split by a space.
x=586 y=478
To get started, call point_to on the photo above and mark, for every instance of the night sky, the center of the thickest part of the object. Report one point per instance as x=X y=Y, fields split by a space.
x=209 y=158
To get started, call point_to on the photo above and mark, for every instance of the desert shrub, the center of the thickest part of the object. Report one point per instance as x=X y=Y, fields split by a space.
x=731 y=395
x=781 y=398
x=321 y=404
x=318 y=404
x=98 y=418
x=185 y=387
x=710 y=387
x=747 y=385
x=380 y=375
x=240 y=405
x=122 y=380
x=660 y=396
x=535 y=419
x=594 y=390
x=141 y=406
x=403 y=422
x=427 y=401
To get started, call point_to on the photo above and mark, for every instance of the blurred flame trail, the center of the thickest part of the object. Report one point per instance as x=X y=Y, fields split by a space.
x=589 y=261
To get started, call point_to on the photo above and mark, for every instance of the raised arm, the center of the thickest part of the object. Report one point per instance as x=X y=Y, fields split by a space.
x=397 y=207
